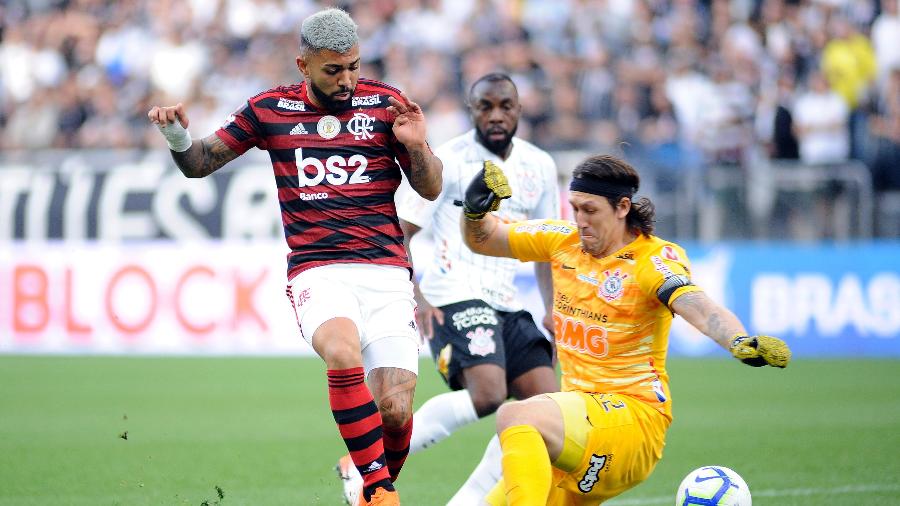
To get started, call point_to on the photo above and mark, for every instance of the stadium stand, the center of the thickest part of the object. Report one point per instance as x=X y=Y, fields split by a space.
x=689 y=88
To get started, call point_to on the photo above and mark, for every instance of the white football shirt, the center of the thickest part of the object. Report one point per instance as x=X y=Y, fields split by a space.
x=455 y=273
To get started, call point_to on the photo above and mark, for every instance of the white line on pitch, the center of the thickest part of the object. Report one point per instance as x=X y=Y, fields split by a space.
x=845 y=489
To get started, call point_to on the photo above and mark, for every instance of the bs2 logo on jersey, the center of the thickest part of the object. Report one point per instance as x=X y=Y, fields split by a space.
x=334 y=170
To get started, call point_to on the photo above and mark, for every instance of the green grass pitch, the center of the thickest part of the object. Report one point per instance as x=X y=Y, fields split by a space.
x=159 y=431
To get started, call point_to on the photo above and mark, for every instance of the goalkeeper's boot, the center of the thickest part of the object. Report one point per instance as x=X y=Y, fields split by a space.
x=351 y=480
x=381 y=497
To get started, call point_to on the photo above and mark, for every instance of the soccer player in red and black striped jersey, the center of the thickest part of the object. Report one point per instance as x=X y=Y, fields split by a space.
x=337 y=144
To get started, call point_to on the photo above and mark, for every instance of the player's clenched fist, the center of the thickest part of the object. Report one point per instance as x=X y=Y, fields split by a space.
x=486 y=191
x=758 y=351
x=172 y=121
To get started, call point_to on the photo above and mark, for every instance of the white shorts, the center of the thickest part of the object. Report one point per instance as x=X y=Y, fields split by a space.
x=377 y=298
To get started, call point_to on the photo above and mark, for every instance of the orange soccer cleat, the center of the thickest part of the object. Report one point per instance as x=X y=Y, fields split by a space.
x=381 y=497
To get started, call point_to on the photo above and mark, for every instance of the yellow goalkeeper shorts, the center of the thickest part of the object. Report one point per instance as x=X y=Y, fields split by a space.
x=612 y=443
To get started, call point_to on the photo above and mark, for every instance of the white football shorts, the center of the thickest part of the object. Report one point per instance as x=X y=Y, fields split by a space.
x=377 y=298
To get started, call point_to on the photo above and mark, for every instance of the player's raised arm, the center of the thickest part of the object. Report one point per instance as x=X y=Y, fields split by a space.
x=725 y=328
x=193 y=159
x=426 y=170
x=483 y=232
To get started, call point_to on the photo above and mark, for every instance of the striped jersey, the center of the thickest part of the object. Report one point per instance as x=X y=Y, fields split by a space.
x=336 y=172
x=611 y=330
x=455 y=273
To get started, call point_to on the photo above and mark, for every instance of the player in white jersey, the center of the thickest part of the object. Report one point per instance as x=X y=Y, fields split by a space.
x=486 y=346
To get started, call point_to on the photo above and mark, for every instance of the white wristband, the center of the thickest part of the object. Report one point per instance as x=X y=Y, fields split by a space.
x=177 y=137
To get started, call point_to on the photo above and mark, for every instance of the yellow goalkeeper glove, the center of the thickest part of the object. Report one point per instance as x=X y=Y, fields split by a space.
x=758 y=351
x=486 y=191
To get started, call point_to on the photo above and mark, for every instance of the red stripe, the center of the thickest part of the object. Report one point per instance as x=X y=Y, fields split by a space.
x=349 y=398
x=359 y=231
x=383 y=188
x=313 y=235
x=348 y=214
x=285 y=168
x=232 y=143
x=344 y=373
x=310 y=236
x=360 y=427
x=358 y=244
x=398 y=439
x=366 y=84
x=369 y=454
x=278 y=92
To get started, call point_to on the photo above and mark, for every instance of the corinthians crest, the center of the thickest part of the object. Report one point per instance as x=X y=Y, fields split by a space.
x=360 y=125
x=481 y=341
x=613 y=286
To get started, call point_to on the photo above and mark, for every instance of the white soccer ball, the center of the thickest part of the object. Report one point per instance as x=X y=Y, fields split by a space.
x=713 y=486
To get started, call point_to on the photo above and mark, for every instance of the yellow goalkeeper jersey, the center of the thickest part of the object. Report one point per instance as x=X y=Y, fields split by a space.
x=611 y=328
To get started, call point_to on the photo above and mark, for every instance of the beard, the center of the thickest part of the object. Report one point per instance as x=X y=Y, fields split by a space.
x=328 y=101
x=499 y=146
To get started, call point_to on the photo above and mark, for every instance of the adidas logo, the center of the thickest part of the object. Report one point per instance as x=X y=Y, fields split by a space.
x=374 y=466
x=299 y=130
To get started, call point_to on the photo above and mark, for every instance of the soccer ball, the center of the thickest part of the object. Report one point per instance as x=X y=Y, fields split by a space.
x=713 y=486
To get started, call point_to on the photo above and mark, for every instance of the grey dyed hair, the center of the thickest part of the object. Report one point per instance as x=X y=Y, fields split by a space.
x=332 y=29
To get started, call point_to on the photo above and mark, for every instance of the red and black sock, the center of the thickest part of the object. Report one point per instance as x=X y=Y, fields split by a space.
x=396 y=447
x=359 y=422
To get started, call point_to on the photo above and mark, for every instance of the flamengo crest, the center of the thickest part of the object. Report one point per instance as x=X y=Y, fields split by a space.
x=360 y=125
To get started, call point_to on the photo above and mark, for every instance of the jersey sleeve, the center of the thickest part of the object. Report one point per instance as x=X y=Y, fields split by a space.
x=242 y=130
x=548 y=205
x=536 y=240
x=665 y=274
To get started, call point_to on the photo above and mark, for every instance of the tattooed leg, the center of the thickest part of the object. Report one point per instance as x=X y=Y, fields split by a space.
x=393 y=389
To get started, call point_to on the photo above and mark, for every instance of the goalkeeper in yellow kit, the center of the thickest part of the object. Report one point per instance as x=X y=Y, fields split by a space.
x=616 y=288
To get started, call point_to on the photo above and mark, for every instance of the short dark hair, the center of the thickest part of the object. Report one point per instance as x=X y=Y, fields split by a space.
x=611 y=170
x=493 y=77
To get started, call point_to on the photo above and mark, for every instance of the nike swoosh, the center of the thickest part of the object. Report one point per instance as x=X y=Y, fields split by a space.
x=567 y=267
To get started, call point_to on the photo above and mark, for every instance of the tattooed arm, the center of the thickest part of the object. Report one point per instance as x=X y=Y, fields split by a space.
x=195 y=159
x=708 y=317
x=487 y=236
x=425 y=172
x=204 y=157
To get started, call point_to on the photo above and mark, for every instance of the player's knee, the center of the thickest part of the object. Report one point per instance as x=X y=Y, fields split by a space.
x=394 y=415
x=487 y=401
x=509 y=414
x=341 y=355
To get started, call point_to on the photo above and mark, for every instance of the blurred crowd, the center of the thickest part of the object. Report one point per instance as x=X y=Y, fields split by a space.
x=685 y=82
